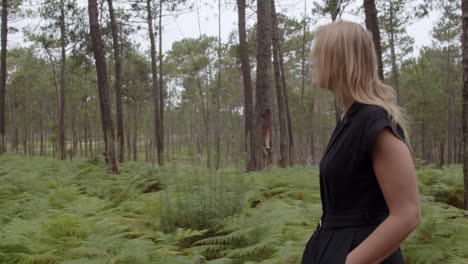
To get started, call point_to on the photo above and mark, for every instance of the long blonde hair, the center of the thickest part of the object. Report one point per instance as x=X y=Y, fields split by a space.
x=343 y=60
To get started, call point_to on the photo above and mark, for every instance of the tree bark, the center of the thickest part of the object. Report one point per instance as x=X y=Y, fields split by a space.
x=283 y=131
x=156 y=92
x=103 y=88
x=118 y=82
x=334 y=14
x=161 y=79
x=372 y=25
x=135 y=133
x=303 y=77
x=424 y=155
x=3 y=75
x=442 y=151
x=247 y=79
x=62 y=149
x=262 y=125
x=465 y=98
x=86 y=130
x=128 y=136
x=286 y=105
x=451 y=129
x=218 y=106
x=395 y=70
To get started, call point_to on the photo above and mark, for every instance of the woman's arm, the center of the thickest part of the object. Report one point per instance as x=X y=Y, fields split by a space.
x=394 y=169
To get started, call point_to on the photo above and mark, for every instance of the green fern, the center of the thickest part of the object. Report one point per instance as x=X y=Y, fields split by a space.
x=73 y=212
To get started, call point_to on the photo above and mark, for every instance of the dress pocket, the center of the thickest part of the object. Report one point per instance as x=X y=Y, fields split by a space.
x=333 y=246
x=360 y=234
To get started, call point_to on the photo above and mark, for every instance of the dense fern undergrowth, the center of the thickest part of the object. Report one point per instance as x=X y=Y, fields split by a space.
x=73 y=212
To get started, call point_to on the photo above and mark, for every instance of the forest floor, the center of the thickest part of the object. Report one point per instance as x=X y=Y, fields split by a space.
x=74 y=212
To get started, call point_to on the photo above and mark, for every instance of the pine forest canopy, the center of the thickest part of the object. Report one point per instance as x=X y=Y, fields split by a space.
x=129 y=80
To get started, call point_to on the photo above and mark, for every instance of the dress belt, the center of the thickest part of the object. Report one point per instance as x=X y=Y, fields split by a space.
x=333 y=219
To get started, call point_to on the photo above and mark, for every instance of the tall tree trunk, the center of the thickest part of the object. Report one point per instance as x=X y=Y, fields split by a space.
x=74 y=139
x=57 y=94
x=3 y=75
x=247 y=79
x=135 y=134
x=311 y=154
x=80 y=142
x=128 y=136
x=465 y=98
x=86 y=131
x=63 y=153
x=41 y=146
x=286 y=105
x=395 y=70
x=156 y=92
x=334 y=14
x=442 y=151
x=103 y=88
x=206 y=117
x=451 y=129
x=263 y=107
x=372 y=25
x=161 y=79
x=218 y=107
x=118 y=82
x=424 y=155
x=303 y=77
x=283 y=139
x=274 y=129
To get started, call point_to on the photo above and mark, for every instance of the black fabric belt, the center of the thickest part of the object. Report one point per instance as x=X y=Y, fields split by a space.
x=333 y=219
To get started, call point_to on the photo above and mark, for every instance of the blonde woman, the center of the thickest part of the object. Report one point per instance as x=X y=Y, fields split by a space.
x=368 y=184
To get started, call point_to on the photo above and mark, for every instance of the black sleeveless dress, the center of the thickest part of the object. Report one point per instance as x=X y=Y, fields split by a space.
x=348 y=182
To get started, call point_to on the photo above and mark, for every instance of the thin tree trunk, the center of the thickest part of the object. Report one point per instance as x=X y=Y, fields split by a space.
x=218 y=107
x=80 y=142
x=63 y=153
x=286 y=105
x=135 y=134
x=465 y=98
x=311 y=154
x=3 y=75
x=91 y=152
x=118 y=82
x=103 y=88
x=247 y=79
x=334 y=14
x=161 y=79
x=450 y=113
x=127 y=135
x=205 y=111
x=74 y=140
x=263 y=107
x=395 y=70
x=424 y=155
x=283 y=137
x=86 y=130
x=372 y=25
x=303 y=77
x=41 y=146
x=441 y=151
x=156 y=91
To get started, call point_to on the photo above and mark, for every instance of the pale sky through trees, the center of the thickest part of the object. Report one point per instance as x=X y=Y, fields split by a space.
x=185 y=24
